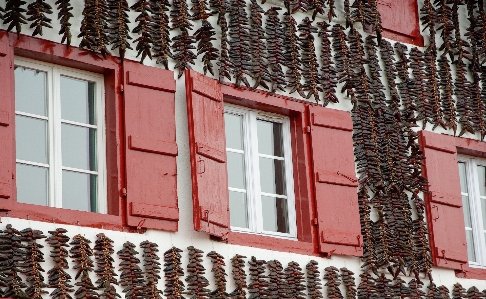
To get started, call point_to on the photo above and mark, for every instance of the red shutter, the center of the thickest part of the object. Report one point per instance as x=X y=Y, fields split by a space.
x=335 y=182
x=208 y=154
x=7 y=116
x=151 y=149
x=444 y=202
x=400 y=21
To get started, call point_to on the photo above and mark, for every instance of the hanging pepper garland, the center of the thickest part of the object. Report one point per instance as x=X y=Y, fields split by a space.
x=258 y=47
x=204 y=36
x=277 y=287
x=145 y=28
x=347 y=277
x=275 y=46
x=239 y=42
x=31 y=266
x=81 y=254
x=219 y=273
x=220 y=7
x=196 y=282
x=294 y=280
x=38 y=11
x=328 y=71
x=174 y=286
x=258 y=287
x=58 y=278
x=183 y=43
x=160 y=32
x=131 y=276
x=64 y=15
x=333 y=282
x=93 y=27
x=103 y=252
x=152 y=268
x=117 y=23
x=310 y=65
x=292 y=55
x=15 y=15
x=314 y=285
x=12 y=253
x=239 y=277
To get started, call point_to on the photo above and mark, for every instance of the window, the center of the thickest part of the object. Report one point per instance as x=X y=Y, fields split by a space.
x=60 y=147
x=472 y=173
x=259 y=163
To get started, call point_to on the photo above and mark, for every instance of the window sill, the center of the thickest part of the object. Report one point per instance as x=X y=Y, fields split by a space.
x=471 y=273
x=272 y=243
x=65 y=216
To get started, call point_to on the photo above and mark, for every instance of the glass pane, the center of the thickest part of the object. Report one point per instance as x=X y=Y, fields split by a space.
x=481 y=180
x=272 y=176
x=470 y=246
x=30 y=91
x=233 y=126
x=77 y=100
x=236 y=170
x=78 y=145
x=31 y=139
x=32 y=184
x=79 y=191
x=238 y=209
x=462 y=175
x=467 y=211
x=275 y=215
x=269 y=138
x=483 y=211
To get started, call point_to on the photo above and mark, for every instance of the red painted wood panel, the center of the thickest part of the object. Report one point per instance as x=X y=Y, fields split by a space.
x=151 y=176
x=400 y=21
x=7 y=118
x=335 y=182
x=208 y=154
x=444 y=204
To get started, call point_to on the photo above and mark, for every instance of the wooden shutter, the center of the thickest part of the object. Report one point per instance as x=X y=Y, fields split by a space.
x=335 y=182
x=444 y=202
x=400 y=21
x=7 y=117
x=151 y=149
x=208 y=154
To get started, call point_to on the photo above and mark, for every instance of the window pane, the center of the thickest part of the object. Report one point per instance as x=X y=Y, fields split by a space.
x=236 y=170
x=483 y=211
x=470 y=246
x=274 y=214
x=272 y=176
x=238 y=209
x=269 y=138
x=77 y=100
x=78 y=147
x=31 y=139
x=233 y=126
x=79 y=191
x=467 y=211
x=32 y=184
x=462 y=175
x=481 y=180
x=30 y=91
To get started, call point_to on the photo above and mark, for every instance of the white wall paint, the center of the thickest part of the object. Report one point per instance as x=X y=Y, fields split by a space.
x=186 y=235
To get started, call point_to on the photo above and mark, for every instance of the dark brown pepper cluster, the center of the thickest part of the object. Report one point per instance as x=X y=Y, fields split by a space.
x=103 y=252
x=196 y=282
x=81 y=253
x=277 y=286
x=58 y=278
x=131 y=276
x=239 y=277
x=37 y=12
x=314 y=285
x=333 y=282
x=295 y=281
x=174 y=286
x=152 y=268
x=219 y=276
x=258 y=287
x=31 y=266
x=12 y=254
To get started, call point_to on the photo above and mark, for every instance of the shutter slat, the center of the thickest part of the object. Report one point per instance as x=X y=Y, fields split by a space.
x=335 y=190
x=150 y=145
x=400 y=20
x=208 y=163
x=443 y=202
x=151 y=175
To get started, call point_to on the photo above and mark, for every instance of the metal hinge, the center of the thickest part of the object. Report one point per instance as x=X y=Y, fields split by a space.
x=307 y=129
x=124 y=192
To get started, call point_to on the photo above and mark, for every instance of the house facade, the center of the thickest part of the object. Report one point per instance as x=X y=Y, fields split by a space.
x=243 y=149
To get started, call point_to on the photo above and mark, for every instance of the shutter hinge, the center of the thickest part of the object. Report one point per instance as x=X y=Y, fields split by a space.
x=124 y=192
x=122 y=88
x=307 y=129
x=314 y=221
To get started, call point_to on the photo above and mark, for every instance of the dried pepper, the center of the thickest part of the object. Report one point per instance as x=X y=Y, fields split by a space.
x=347 y=276
x=258 y=287
x=15 y=15
x=239 y=43
x=58 y=278
x=292 y=55
x=117 y=24
x=275 y=49
x=204 y=35
x=310 y=65
x=239 y=277
x=295 y=281
x=94 y=27
x=38 y=11
x=174 y=286
x=152 y=268
x=219 y=276
x=196 y=282
x=103 y=252
x=183 y=42
x=277 y=287
x=81 y=254
x=328 y=69
x=64 y=15
x=160 y=33
x=258 y=48
x=31 y=266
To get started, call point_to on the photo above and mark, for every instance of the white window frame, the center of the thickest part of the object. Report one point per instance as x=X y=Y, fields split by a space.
x=54 y=73
x=475 y=209
x=252 y=174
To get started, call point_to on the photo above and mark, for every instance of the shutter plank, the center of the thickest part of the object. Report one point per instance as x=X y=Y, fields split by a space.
x=400 y=21
x=336 y=184
x=151 y=175
x=7 y=129
x=208 y=154
x=444 y=202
